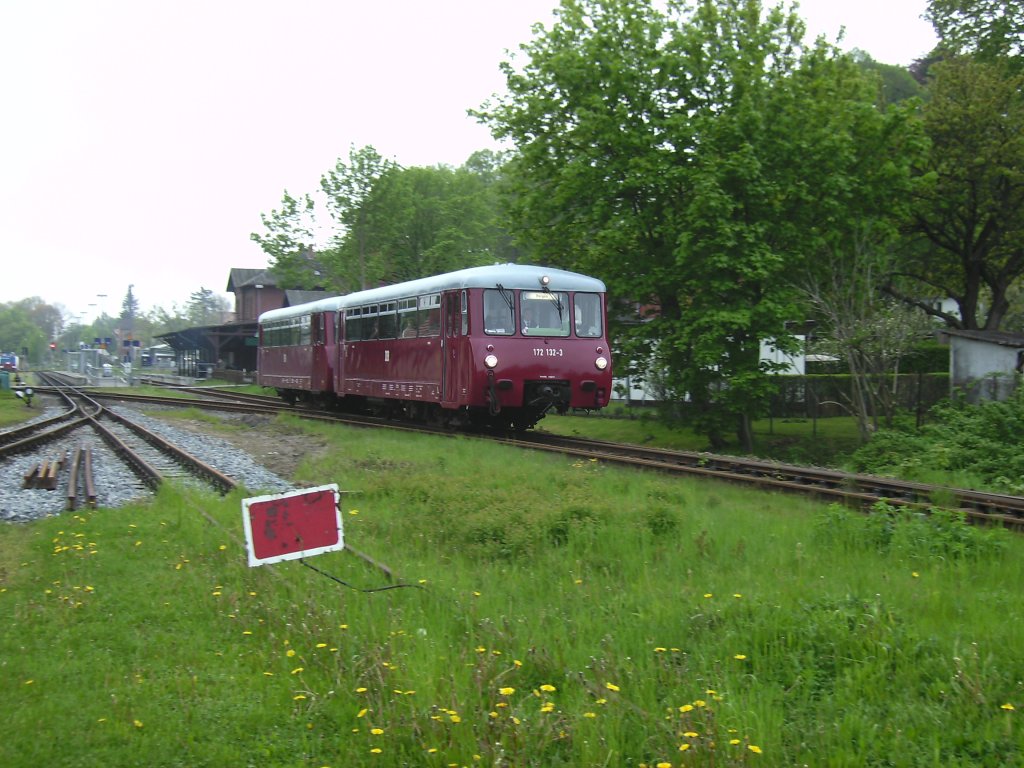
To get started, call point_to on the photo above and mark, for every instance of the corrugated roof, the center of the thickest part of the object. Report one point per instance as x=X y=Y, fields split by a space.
x=1002 y=338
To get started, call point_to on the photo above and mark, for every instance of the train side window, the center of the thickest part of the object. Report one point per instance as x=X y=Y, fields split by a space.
x=499 y=312
x=388 y=321
x=465 y=314
x=587 y=314
x=430 y=315
x=407 y=318
x=353 y=324
x=305 y=329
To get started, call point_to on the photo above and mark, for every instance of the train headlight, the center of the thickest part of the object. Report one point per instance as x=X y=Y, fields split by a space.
x=491 y=361
x=601 y=363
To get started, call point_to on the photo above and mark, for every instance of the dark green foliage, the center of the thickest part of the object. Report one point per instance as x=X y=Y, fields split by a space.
x=982 y=442
x=926 y=357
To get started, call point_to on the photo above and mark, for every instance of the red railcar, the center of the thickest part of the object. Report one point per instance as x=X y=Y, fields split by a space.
x=498 y=345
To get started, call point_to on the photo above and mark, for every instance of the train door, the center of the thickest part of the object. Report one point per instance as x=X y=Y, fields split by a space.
x=453 y=306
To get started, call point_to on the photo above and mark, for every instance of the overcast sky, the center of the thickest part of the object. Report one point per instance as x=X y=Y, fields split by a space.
x=140 y=139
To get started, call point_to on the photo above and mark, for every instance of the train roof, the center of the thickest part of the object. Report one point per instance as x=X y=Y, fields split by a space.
x=512 y=276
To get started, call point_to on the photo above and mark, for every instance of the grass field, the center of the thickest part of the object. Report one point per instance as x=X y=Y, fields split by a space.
x=558 y=613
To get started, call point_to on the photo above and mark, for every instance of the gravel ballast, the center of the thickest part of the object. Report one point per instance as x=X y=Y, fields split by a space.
x=115 y=484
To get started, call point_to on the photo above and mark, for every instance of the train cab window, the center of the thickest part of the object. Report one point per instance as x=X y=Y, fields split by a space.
x=587 y=314
x=499 y=312
x=545 y=313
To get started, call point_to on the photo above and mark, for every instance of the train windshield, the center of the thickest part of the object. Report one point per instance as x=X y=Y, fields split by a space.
x=588 y=315
x=545 y=313
x=499 y=312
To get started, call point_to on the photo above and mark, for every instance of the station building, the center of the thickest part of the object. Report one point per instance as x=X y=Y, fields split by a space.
x=229 y=349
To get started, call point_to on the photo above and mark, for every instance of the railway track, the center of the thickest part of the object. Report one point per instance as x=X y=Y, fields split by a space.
x=847 y=488
x=151 y=458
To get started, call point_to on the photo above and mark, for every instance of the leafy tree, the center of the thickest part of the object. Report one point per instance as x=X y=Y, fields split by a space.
x=870 y=332
x=968 y=204
x=429 y=220
x=348 y=188
x=897 y=83
x=19 y=332
x=696 y=159
x=991 y=30
x=289 y=242
x=205 y=307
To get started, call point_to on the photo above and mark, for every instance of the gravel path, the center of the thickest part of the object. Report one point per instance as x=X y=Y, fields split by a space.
x=21 y=505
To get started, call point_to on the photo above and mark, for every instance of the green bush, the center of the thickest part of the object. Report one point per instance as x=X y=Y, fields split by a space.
x=982 y=444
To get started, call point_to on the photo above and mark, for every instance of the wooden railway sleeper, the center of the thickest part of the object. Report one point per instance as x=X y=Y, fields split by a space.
x=45 y=474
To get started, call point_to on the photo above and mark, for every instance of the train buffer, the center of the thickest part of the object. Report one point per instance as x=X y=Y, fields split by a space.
x=45 y=474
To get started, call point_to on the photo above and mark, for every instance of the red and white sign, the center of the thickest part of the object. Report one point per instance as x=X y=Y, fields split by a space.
x=291 y=525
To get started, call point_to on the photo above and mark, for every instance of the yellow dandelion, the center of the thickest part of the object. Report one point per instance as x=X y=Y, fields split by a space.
x=360 y=689
x=222 y=547
x=29 y=682
x=611 y=686
x=686 y=708
x=664 y=764
x=377 y=731
x=480 y=649
x=321 y=645
x=137 y=723
x=691 y=734
x=659 y=649
x=740 y=656
x=290 y=652
x=590 y=714
x=548 y=687
x=297 y=670
x=699 y=703
x=300 y=697
x=734 y=742
x=376 y=750
x=708 y=595
x=455 y=718
x=353 y=511
x=506 y=691
x=683 y=747
x=1009 y=707
x=432 y=750
x=737 y=595
x=754 y=748
x=361 y=712
x=601 y=701
x=517 y=663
